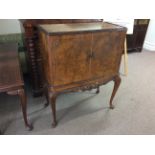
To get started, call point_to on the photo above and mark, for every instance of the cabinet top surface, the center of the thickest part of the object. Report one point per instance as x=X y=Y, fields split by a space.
x=78 y=27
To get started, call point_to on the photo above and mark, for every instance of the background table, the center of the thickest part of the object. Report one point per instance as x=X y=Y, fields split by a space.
x=11 y=80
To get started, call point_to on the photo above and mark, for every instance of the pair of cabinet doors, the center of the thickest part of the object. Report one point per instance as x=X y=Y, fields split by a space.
x=71 y=58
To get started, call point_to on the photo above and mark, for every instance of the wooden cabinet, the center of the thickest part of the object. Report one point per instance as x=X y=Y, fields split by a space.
x=80 y=57
x=30 y=30
x=136 y=40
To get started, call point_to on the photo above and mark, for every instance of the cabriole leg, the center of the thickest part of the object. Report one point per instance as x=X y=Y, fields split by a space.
x=47 y=96
x=117 y=81
x=98 y=90
x=23 y=102
x=53 y=107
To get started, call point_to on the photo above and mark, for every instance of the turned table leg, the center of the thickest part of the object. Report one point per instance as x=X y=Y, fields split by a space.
x=23 y=103
x=53 y=107
x=117 y=81
x=35 y=74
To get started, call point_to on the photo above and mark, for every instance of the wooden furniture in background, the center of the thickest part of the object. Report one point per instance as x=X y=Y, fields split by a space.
x=136 y=40
x=29 y=27
x=80 y=57
x=11 y=80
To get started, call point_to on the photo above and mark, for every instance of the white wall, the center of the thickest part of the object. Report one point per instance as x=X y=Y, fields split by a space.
x=149 y=42
x=8 y=26
x=126 y=22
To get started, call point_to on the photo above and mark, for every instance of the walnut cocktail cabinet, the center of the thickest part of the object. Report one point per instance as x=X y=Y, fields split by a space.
x=80 y=57
x=30 y=30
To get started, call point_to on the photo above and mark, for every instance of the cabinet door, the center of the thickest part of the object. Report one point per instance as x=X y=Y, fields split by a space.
x=71 y=58
x=107 y=50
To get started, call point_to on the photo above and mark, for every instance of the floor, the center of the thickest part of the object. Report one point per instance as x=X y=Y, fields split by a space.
x=88 y=113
